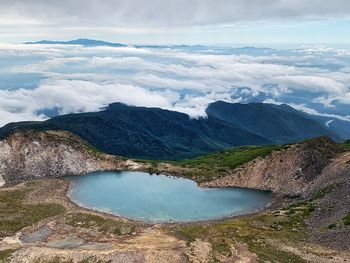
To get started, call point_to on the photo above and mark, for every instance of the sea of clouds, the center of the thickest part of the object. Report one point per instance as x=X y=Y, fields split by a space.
x=38 y=81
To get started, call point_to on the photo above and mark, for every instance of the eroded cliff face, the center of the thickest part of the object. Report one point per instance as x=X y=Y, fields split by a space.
x=30 y=155
x=286 y=172
x=53 y=154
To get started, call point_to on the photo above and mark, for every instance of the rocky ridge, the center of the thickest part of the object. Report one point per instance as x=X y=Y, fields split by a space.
x=35 y=154
x=289 y=171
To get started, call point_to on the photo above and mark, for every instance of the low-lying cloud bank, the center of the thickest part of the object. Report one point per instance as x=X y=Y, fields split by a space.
x=38 y=78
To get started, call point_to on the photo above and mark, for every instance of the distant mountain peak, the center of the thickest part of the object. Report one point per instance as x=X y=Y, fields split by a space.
x=80 y=41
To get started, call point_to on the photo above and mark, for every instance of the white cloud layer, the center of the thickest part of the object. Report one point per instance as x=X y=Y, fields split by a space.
x=35 y=78
x=168 y=12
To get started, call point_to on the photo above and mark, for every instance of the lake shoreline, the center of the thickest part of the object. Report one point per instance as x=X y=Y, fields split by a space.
x=249 y=212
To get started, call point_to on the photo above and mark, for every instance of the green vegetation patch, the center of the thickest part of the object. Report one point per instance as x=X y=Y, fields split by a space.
x=15 y=215
x=346 y=145
x=209 y=167
x=105 y=225
x=5 y=255
x=269 y=253
x=256 y=231
x=230 y=158
x=332 y=226
x=322 y=193
x=93 y=149
x=346 y=219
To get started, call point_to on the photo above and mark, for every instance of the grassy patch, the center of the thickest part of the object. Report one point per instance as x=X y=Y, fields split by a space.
x=267 y=252
x=322 y=193
x=281 y=226
x=191 y=232
x=101 y=224
x=346 y=219
x=6 y=254
x=209 y=167
x=332 y=226
x=93 y=149
x=15 y=215
x=346 y=145
x=230 y=158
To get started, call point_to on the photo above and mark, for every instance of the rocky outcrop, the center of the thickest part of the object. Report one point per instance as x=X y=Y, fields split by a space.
x=32 y=154
x=286 y=172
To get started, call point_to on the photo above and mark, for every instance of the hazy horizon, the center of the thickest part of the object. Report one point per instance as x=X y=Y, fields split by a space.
x=178 y=22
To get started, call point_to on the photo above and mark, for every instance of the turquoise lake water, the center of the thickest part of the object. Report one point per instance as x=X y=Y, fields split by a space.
x=157 y=198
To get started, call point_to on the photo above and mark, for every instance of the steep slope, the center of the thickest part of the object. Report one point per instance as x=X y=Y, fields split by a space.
x=288 y=171
x=147 y=132
x=331 y=191
x=33 y=155
x=278 y=123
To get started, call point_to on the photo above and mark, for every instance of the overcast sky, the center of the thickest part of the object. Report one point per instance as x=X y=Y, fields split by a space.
x=178 y=21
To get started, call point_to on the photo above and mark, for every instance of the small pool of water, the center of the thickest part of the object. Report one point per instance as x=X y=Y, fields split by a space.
x=157 y=198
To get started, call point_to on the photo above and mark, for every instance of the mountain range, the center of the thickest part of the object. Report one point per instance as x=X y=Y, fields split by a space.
x=154 y=133
x=95 y=43
x=82 y=41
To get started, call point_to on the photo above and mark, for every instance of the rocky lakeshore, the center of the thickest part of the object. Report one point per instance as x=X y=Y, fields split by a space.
x=75 y=234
